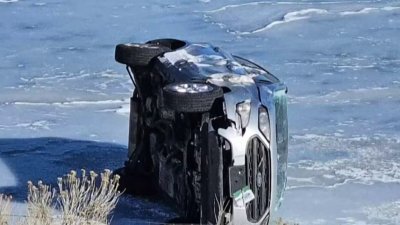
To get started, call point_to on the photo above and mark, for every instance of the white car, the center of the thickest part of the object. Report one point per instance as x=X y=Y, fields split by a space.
x=208 y=130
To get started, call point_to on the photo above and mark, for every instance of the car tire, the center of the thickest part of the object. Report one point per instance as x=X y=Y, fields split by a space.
x=172 y=44
x=138 y=54
x=198 y=97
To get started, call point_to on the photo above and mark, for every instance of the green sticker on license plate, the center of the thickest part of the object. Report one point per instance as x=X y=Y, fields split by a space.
x=243 y=196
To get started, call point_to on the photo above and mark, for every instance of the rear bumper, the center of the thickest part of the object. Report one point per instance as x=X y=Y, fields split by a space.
x=258 y=164
x=275 y=180
x=258 y=210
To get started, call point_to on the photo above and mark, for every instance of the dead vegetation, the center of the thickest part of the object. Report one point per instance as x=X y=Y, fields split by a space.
x=5 y=209
x=222 y=208
x=79 y=200
x=280 y=221
x=40 y=199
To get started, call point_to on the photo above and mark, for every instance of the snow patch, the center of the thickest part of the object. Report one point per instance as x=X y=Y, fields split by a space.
x=365 y=160
x=362 y=11
x=290 y=17
x=369 y=10
x=124 y=110
x=388 y=212
x=185 y=55
x=349 y=96
x=40 y=124
x=35 y=125
x=390 y=8
x=39 y=3
x=8 y=1
x=223 y=8
x=232 y=78
x=287 y=16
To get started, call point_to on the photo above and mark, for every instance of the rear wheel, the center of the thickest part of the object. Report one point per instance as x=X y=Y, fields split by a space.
x=191 y=97
x=138 y=54
x=172 y=44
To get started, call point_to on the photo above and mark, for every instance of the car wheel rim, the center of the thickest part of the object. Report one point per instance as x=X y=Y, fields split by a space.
x=190 y=88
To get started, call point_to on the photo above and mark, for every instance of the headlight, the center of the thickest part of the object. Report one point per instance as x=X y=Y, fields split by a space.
x=263 y=122
x=243 y=109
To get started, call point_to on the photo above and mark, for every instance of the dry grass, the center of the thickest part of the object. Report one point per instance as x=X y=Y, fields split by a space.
x=222 y=211
x=81 y=200
x=5 y=209
x=40 y=200
x=282 y=222
x=80 y=197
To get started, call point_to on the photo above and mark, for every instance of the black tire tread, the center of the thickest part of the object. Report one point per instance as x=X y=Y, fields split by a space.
x=138 y=54
x=191 y=102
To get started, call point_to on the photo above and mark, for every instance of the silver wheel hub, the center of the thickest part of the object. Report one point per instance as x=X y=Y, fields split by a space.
x=190 y=88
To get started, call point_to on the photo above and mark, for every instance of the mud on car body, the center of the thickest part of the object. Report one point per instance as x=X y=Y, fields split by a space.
x=208 y=130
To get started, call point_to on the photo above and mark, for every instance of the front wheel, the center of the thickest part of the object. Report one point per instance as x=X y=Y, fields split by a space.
x=191 y=97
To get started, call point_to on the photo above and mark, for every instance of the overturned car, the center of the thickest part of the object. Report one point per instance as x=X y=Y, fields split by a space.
x=208 y=130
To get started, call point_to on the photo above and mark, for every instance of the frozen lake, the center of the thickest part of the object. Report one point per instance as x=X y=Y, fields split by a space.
x=340 y=59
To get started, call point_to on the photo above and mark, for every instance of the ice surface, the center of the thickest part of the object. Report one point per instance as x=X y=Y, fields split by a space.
x=340 y=60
